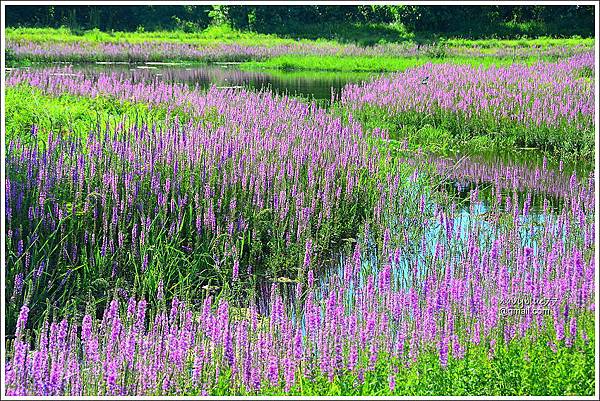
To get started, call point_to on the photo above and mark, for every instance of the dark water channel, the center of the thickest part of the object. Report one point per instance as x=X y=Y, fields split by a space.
x=317 y=85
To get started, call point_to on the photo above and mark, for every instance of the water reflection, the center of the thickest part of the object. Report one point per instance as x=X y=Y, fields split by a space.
x=498 y=176
x=309 y=84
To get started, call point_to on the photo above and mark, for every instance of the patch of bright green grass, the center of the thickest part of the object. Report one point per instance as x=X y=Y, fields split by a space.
x=226 y=34
x=211 y=35
x=27 y=106
x=373 y=63
x=522 y=367
x=543 y=42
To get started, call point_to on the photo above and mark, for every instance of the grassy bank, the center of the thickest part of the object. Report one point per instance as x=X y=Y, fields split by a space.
x=209 y=36
x=444 y=135
x=67 y=113
x=373 y=63
x=225 y=34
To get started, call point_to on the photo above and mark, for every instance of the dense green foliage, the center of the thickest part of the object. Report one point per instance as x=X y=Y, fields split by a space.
x=526 y=367
x=362 y=23
x=66 y=113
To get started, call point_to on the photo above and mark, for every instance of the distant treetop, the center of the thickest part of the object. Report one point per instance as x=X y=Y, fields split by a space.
x=346 y=23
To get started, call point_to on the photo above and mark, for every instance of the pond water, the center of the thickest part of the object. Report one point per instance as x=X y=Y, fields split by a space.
x=316 y=85
x=414 y=256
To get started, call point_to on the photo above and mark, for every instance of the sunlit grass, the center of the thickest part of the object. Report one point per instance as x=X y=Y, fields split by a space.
x=374 y=63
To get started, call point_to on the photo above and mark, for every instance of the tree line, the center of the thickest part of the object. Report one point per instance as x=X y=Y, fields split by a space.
x=317 y=20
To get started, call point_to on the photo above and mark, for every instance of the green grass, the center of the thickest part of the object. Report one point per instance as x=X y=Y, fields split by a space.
x=371 y=63
x=26 y=106
x=543 y=42
x=446 y=133
x=522 y=368
x=225 y=34
x=211 y=35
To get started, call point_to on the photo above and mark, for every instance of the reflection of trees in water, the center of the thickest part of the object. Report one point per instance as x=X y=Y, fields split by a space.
x=526 y=176
x=309 y=85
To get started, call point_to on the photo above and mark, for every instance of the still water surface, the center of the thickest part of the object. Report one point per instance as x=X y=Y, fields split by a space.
x=316 y=85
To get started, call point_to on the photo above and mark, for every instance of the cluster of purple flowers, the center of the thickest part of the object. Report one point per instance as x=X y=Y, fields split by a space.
x=421 y=278
x=545 y=94
x=161 y=51
x=107 y=199
x=350 y=323
x=522 y=52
